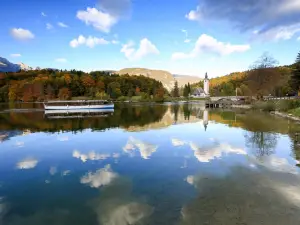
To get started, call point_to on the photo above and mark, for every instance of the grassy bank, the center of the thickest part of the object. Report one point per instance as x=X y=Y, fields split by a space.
x=285 y=106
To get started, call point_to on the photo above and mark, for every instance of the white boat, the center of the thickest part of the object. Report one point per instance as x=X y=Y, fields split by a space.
x=78 y=104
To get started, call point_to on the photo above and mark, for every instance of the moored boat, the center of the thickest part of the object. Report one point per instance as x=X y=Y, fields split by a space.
x=78 y=104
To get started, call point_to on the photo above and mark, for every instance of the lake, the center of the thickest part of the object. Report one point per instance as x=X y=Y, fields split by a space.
x=148 y=164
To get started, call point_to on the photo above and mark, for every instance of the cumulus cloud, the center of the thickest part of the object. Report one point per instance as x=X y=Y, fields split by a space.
x=43 y=14
x=61 y=24
x=208 y=44
x=98 y=19
x=101 y=177
x=89 y=156
x=206 y=154
x=145 y=149
x=177 y=142
x=275 y=19
x=277 y=164
x=49 y=26
x=62 y=60
x=28 y=163
x=15 y=55
x=89 y=41
x=146 y=48
x=21 y=34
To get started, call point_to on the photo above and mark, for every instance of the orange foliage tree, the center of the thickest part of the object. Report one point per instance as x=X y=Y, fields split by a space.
x=64 y=94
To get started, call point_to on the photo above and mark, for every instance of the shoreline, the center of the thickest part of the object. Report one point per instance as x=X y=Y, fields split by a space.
x=285 y=115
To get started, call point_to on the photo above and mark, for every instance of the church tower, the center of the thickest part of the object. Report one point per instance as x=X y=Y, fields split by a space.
x=206 y=85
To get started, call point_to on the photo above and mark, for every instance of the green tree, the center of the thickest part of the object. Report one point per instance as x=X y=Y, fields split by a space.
x=176 y=90
x=186 y=91
x=295 y=79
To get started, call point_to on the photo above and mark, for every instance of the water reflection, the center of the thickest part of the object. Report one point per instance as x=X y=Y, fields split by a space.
x=244 y=197
x=149 y=164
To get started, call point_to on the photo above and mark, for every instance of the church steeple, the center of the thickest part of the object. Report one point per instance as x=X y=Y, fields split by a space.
x=206 y=76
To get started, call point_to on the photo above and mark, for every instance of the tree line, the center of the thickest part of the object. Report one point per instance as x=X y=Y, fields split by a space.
x=46 y=84
x=263 y=78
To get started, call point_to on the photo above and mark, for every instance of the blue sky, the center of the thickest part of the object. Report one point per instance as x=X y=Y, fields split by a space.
x=184 y=37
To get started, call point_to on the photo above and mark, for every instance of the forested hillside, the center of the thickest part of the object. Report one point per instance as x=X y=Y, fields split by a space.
x=263 y=78
x=39 y=85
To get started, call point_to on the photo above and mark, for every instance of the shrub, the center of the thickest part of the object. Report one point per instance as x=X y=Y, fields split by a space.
x=264 y=105
x=285 y=105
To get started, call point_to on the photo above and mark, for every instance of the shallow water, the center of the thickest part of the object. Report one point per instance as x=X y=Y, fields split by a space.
x=148 y=164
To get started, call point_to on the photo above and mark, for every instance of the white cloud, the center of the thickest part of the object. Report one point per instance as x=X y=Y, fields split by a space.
x=210 y=153
x=187 y=41
x=194 y=14
x=89 y=156
x=21 y=34
x=89 y=41
x=101 y=177
x=273 y=19
x=49 y=26
x=43 y=14
x=115 y=42
x=98 y=19
x=61 y=24
x=15 y=55
x=145 y=48
x=298 y=39
x=177 y=142
x=28 y=163
x=208 y=44
x=145 y=149
x=19 y=144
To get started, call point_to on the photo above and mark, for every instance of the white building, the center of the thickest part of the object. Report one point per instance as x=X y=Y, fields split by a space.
x=206 y=85
x=199 y=92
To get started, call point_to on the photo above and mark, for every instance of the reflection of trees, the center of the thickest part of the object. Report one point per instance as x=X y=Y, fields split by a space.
x=263 y=143
x=123 y=116
x=186 y=112
x=175 y=110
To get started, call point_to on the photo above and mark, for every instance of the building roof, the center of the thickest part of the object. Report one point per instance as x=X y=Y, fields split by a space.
x=198 y=91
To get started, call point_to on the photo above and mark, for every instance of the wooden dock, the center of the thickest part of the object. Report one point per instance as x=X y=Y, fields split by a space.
x=222 y=103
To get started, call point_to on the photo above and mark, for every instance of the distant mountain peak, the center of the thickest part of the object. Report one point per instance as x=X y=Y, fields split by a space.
x=165 y=77
x=7 y=66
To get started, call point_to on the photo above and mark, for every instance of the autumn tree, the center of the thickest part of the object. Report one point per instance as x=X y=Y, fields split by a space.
x=64 y=94
x=263 y=76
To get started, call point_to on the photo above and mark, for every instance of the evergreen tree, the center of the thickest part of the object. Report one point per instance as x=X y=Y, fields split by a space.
x=186 y=91
x=176 y=90
x=189 y=88
x=295 y=79
x=298 y=58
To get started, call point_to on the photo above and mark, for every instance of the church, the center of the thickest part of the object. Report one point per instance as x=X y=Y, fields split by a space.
x=199 y=92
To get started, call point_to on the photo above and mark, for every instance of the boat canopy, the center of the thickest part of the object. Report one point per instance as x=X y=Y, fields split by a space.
x=75 y=101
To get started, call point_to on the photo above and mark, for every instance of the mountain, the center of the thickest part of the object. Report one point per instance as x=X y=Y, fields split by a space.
x=7 y=66
x=25 y=67
x=165 y=77
x=185 y=79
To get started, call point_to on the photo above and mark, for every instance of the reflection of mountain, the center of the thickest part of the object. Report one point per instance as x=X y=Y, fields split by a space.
x=145 y=149
x=128 y=117
x=5 y=135
x=244 y=197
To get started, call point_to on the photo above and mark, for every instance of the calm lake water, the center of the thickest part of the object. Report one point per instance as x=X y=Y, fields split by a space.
x=148 y=164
